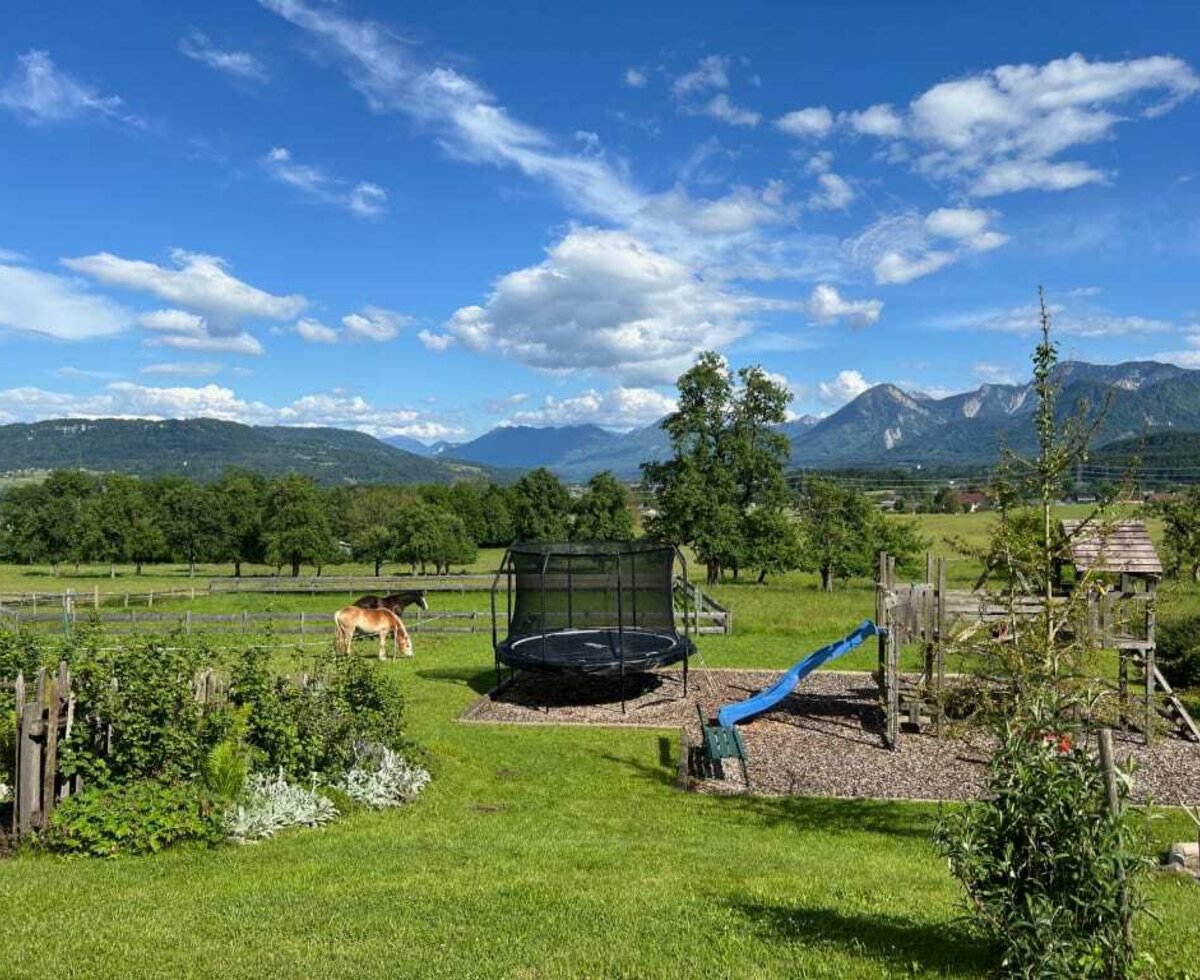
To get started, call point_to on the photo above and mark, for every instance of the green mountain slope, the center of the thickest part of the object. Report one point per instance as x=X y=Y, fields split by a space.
x=202 y=448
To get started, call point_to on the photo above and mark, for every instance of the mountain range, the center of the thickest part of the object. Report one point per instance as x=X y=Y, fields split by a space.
x=884 y=426
x=202 y=448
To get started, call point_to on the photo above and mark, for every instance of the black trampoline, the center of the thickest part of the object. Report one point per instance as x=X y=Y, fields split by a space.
x=596 y=607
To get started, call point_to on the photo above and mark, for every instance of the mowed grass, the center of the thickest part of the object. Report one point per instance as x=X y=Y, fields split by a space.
x=549 y=852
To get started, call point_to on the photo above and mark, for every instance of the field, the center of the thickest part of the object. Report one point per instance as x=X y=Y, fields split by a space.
x=548 y=852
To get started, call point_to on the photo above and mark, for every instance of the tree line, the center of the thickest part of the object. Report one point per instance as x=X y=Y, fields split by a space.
x=79 y=517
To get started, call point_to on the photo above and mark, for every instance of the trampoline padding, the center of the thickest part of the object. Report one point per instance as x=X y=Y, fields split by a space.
x=595 y=651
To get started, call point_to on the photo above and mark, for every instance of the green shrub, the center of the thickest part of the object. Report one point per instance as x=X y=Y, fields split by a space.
x=316 y=729
x=1050 y=873
x=139 y=817
x=1179 y=650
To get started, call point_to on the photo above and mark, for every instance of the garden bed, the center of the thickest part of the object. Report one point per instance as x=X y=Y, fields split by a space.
x=822 y=740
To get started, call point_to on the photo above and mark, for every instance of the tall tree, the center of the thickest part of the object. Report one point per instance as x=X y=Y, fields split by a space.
x=239 y=497
x=1181 y=533
x=541 y=507
x=603 y=513
x=296 y=525
x=727 y=465
x=191 y=520
x=498 y=519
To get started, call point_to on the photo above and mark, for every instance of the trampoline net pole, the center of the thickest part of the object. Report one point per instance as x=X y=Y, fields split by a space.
x=621 y=629
x=545 y=565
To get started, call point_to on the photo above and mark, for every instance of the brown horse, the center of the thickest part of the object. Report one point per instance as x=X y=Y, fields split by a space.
x=377 y=622
x=397 y=602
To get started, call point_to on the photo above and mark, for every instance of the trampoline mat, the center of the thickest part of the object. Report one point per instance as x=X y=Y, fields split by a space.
x=595 y=651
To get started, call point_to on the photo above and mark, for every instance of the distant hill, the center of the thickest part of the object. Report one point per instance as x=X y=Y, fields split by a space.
x=202 y=448
x=528 y=447
x=408 y=444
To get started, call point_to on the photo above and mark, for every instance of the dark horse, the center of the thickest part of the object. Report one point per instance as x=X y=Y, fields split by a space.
x=397 y=602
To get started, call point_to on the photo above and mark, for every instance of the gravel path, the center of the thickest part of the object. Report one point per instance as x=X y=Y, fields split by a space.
x=823 y=740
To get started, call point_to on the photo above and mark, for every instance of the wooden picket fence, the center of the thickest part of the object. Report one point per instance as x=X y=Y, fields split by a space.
x=45 y=716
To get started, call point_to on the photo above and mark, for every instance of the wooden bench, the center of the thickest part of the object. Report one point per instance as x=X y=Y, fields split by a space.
x=719 y=742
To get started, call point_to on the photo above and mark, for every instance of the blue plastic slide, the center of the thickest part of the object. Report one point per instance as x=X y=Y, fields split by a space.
x=731 y=714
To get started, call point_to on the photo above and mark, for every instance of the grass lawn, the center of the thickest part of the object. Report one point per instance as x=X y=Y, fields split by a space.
x=549 y=852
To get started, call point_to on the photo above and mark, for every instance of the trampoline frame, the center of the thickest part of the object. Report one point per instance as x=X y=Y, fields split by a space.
x=611 y=549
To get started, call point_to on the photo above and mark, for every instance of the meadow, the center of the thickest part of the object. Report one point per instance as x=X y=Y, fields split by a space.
x=550 y=852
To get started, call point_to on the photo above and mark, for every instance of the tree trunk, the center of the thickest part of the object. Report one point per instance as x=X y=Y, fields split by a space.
x=112 y=570
x=237 y=568
x=714 y=572
x=762 y=577
x=138 y=567
x=295 y=566
x=378 y=565
x=827 y=578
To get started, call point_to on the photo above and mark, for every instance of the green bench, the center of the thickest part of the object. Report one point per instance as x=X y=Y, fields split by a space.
x=719 y=742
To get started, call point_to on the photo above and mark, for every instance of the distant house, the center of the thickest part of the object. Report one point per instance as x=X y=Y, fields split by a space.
x=973 y=500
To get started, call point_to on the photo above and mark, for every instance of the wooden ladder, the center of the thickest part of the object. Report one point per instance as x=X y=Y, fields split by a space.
x=1176 y=712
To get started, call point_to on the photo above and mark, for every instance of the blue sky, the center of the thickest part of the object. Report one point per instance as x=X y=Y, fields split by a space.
x=433 y=219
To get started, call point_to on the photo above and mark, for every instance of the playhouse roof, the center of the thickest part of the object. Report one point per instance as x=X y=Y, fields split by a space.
x=1126 y=548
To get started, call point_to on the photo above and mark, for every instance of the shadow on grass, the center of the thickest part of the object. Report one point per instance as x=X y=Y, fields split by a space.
x=662 y=774
x=479 y=681
x=902 y=945
x=893 y=819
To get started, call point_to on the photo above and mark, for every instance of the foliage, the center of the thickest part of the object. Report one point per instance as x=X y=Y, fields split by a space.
x=843 y=531
x=727 y=464
x=145 y=722
x=603 y=512
x=427 y=534
x=138 y=817
x=272 y=804
x=1048 y=866
x=1178 y=652
x=381 y=778
x=1181 y=533
x=541 y=507
x=314 y=729
x=1046 y=863
x=297 y=524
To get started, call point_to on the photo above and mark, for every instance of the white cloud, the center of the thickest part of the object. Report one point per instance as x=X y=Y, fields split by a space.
x=436 y=341
x=193 y=369
x=711 y=72
x=196 y=282
x=902 y=247
x=816 y=121
x=39 y=92
x=91 y=374
x=375 y=323
x=877 y=120
x=1004 y=130
x=124 y=399
x=833 y=193
x=721 y=107
x=603 y=301
x=56 y=306
x=846 y=386
x=189 y=331
x=1025 y=320
x=893 y=268
x=992 y=373
x=237 y=64
x=826 y=305
x=238 y=343
x=635 y=77
x=315 y=332
x=499 y=406
x=617 y=408
x=365 y=199
x=966 y=225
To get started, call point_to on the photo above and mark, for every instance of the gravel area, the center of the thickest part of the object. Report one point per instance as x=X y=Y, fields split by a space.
x=822 y=740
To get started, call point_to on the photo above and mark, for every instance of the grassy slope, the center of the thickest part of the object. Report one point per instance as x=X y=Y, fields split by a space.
x=546 y=853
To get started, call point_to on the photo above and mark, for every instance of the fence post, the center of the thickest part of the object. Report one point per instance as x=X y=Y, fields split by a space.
x=187 y=621
x=95 y=596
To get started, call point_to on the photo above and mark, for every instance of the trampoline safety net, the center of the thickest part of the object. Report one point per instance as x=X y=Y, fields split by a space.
x=590 y=606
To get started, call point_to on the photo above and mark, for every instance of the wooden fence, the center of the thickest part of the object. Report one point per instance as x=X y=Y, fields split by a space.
x=300 y=625
x=472 y=582
x=44 y=718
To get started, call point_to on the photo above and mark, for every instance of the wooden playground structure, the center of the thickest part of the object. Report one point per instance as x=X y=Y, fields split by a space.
x=1120 y=571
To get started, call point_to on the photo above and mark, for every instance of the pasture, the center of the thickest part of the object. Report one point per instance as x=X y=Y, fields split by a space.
x=547 y=852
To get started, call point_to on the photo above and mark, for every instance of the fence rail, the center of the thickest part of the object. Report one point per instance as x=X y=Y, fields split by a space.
x=301 y=624
x=469 y=582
